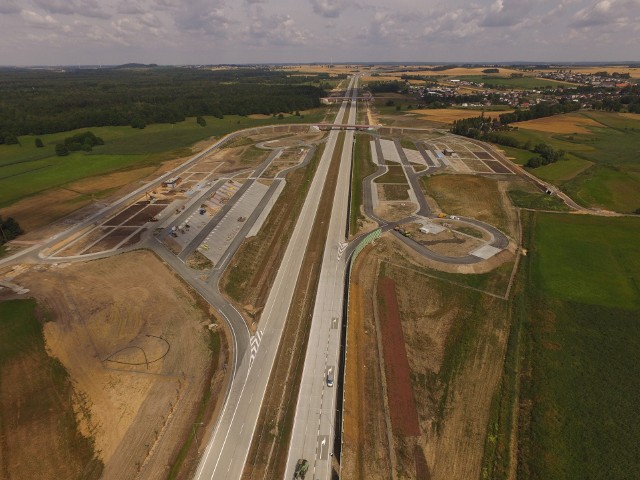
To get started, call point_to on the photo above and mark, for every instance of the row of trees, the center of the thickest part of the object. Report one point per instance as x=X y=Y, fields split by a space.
x=540 y=110
x=488 y=129
x=38 y=102
x=9 y=229
x=81 y=141
x=546 y=155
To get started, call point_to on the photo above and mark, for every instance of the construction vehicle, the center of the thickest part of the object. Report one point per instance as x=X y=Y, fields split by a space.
x=301 y=468
x=442 y=215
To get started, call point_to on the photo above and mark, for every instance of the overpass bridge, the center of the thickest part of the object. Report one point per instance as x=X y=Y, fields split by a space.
x=344 y=126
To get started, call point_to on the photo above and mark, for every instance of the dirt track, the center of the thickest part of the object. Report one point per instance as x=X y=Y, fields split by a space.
x=134 y=341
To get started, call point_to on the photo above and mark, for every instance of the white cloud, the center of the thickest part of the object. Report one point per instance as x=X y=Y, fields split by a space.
x=132 y=7
x=507 y=13
x=8 y=7
x=171 y=31
x=274 y=29
x=37 y=20
x=328 y=8
x=84 y=8
x=607 y=13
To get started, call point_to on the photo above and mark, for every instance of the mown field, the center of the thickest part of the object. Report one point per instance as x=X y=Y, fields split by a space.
x=26 y=170
x=601 y=168
x=526 y=83
x=40 y=435
x=575 y=346
x=362 y=167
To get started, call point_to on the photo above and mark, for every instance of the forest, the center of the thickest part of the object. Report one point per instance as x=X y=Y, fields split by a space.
x=46 y=101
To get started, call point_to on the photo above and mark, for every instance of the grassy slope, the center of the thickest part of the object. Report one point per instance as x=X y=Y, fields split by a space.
x=26 y=170
x=40 y=405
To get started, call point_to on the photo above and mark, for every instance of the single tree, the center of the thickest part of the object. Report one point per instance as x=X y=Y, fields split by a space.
x=201 y=121
x=39 y=143
x=61 y=150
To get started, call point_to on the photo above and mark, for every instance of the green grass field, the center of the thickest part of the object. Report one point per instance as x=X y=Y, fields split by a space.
x=395 y=174
x=588 y=259
x=526 y=83
x=574 y=347
x=537 y=201
x=585 y=339
x=613 y=181
x=362 y=167
x=563 y=170
x=26 y=170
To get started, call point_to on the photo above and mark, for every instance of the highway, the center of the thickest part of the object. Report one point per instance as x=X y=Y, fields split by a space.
x=226 y=453
x=254 y=356
x=313 y=430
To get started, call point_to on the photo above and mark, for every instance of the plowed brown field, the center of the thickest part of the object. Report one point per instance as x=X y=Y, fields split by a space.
x=402 y=405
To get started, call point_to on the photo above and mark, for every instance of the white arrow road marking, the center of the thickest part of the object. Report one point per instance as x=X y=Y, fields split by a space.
x=255 y=343
x=342 y=246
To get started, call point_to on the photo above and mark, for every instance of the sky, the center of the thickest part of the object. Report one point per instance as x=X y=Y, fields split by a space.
x=108 y=32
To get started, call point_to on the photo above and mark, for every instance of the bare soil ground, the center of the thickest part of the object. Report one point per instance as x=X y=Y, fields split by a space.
x=393 y=191
x=77 y=200
x=476 y=197
x=363 y=380
x=448 y=242
x=402 y=405
x=455 y=340
x=394 y=211
x=84 y=242
x=237 y=158
x=134 y=341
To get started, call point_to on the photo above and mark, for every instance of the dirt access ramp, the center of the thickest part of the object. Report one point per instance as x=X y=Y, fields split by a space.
x=135 y=342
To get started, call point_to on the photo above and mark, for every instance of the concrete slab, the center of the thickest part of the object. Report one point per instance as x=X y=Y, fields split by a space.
x=374 y=154
x=414 y=156
x=267 y=209
x=218 y=241
x=485 y=252
x=389 y=151
x=432 y=228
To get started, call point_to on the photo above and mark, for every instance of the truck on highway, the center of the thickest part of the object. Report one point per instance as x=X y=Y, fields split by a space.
x=301 y=468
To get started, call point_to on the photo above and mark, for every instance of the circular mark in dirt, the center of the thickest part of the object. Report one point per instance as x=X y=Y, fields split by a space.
x=147 y=350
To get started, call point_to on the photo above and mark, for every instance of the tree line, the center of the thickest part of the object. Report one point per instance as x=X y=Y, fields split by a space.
x=41 y=101
x=490 y=130
x=9 y=229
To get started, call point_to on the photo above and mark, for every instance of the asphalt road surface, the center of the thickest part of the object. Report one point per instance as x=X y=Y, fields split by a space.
x=226 y=453
x=313 y=430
